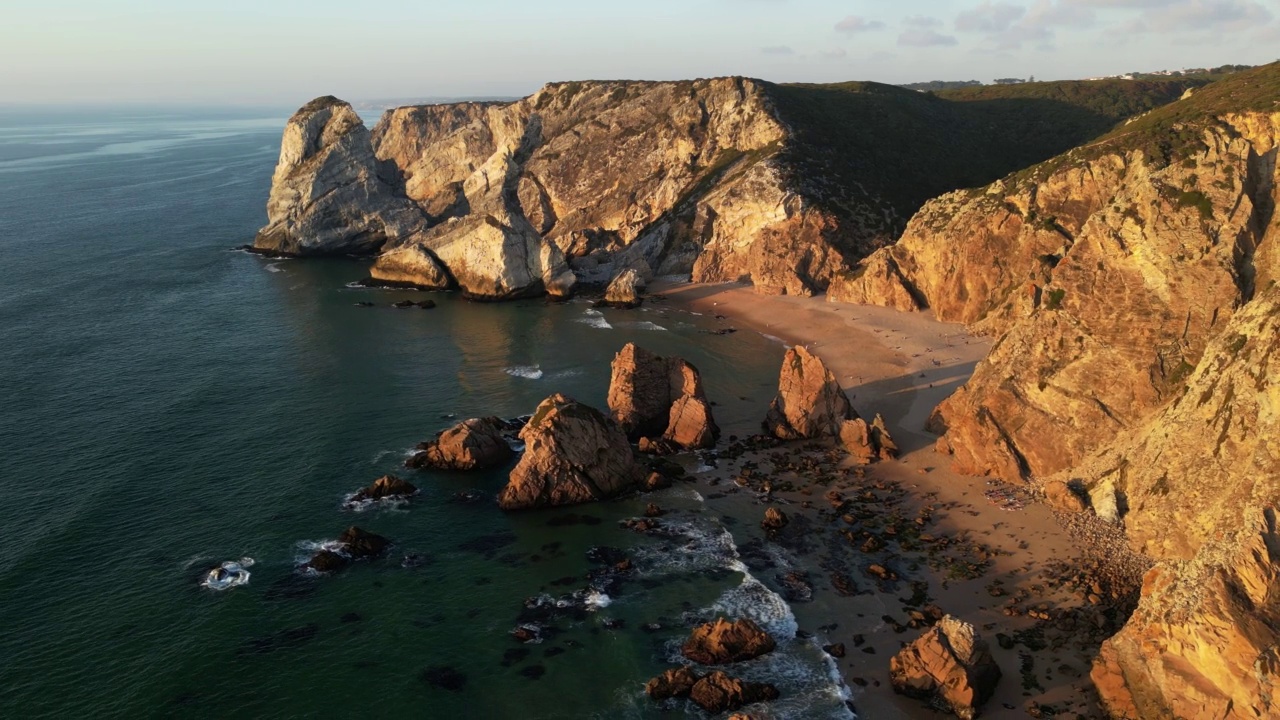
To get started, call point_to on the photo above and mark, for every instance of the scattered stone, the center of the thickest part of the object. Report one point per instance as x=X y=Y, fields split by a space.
x=835 y=650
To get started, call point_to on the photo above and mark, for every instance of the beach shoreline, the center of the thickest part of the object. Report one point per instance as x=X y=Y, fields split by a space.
x=899 y=365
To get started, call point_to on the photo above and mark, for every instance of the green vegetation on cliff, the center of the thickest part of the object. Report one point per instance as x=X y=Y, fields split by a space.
x=906 y=147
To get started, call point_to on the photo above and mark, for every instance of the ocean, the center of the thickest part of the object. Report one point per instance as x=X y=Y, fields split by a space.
x=168 y=403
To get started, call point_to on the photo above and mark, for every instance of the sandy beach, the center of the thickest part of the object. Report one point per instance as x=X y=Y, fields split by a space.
x=977 y=549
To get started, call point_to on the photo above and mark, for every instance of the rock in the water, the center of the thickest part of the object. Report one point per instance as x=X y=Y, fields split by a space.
x=326 y=561
x=329 y=194
x=653 y=396
x=624 y=290
x=717 y=693
x=948 y=662
x=472 y=444
x=573 y=454
x=721 y=642
x=774 y=520
x=387 y=486
x=410 y=266
x=361 y=544
x=673 y=683
x=496 y=258
x=810 y=403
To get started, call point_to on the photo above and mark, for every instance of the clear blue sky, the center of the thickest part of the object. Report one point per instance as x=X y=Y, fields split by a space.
x=287 y=51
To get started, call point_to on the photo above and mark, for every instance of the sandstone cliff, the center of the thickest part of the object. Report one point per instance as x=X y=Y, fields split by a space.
x=1103 y=273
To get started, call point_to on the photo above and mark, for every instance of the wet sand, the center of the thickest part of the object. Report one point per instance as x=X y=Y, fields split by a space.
x=949 y=539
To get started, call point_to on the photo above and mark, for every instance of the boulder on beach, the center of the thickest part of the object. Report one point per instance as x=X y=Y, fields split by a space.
x=660 y=399
x=949 y=663
x=774 y=520
x=718 y=693
x=387 y=486
x=573 y=454
x=624 y=290
x=721 y=642
x=472 y=444
x=810 y=403
x=867 y=442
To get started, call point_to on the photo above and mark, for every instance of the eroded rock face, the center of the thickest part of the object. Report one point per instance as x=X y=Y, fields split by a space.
x=470 y=445
x=655 y=397
x=1104 y=280
x=948 y=662
x=573 y=454
x=721 y=642
x=867 y=442
x=1203 y=642
x=810 y=403
x=329 y=194
x=875 y=281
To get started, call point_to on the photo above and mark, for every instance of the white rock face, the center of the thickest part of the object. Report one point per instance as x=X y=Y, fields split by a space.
x=411 y=265
x=328 y=195
x=1103 y=499
x=493 y=261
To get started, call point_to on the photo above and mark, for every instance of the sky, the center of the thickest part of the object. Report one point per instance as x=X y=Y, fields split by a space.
x=283 y=52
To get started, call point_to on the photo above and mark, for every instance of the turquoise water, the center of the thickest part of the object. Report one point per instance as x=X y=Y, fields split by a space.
x=167 y=403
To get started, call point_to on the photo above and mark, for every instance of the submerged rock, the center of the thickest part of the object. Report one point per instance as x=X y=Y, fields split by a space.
x=472 y=444
x=387 y=486
x=573 y=454
x=721 y=642
x=948 y=662
x=353 y=544
x=810 y=403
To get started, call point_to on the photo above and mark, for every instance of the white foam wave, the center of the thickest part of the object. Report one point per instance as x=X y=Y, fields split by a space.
x=595 y=320
x=275 y=268
x=567 y=373
x=529 y=372
x=228 y=575
x=596 y=600
x=774 y=338
x=646 y=325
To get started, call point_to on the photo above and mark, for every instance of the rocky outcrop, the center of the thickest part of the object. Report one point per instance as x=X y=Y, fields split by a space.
x=876 y=281
x=410 y=266
x=721 y=642
x=472 y=444
x=674 y=683
x=329 y=194
x=573 y=454
x=387 y=486
x=655 y=397
x=624 y=290
x=1104 y=275
x=810 y=403
x=774 y=520
x=949 y=663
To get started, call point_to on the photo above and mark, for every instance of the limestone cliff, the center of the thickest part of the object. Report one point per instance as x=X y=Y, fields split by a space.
x=1103 y=273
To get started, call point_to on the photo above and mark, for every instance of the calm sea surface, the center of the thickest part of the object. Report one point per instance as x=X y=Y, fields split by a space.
x=167 y=404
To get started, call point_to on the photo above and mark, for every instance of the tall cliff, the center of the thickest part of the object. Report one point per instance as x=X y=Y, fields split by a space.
x=1103 y=274
x=722 y=179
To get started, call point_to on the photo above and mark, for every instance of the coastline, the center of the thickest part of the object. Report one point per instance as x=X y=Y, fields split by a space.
x=900 y=365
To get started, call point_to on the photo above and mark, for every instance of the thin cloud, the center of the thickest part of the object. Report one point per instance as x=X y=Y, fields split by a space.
x=777 y=50
x=922 y=21
x=990 y=17
x=856 y=24
x=923 y=37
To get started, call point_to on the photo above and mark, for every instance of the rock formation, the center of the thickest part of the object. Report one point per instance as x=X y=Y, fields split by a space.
x=867 y=443
x=719 y=693
x=573 y=454
x=387 y=486
x=1103 y=274
x=774 y=520
x=948 y=662
x=329 y=194
x=674 y=683
x=353 y=544
x=624 y=290
x=810 y=403
x=472 y=444
x=721 y=642
x=652 y=396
